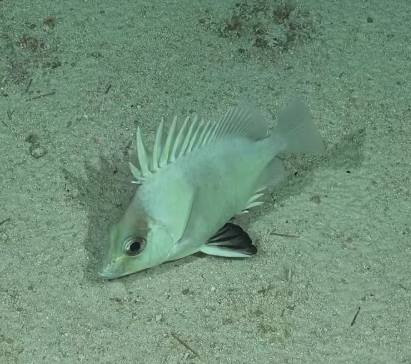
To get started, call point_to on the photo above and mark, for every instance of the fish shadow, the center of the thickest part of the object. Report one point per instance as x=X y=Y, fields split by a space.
x=346 y=154
x=103 y=194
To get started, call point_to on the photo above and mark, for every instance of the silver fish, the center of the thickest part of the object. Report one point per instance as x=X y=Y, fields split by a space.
x=196 y=179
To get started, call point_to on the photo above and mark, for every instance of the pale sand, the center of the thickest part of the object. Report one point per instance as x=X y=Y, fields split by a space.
x=296 y=300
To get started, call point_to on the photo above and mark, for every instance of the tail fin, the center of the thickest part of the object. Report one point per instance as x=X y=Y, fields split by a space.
x=296 y=127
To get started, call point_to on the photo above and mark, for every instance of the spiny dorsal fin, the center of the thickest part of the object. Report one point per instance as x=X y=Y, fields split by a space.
x=192 y=135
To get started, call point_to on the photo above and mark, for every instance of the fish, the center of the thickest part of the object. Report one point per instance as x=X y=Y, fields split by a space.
x=196 y=179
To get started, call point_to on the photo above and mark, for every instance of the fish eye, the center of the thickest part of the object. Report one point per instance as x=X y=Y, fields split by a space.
x=134 y=245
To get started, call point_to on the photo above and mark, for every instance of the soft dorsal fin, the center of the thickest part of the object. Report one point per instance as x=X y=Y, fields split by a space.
x=194 y=134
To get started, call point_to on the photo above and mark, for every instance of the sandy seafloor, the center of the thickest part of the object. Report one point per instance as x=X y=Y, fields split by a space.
x=74 y=89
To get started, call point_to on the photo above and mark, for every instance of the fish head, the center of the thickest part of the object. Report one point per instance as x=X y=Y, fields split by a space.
x=136 y=243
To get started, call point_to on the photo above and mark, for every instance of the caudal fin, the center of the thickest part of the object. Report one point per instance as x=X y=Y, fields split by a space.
x=296 y=127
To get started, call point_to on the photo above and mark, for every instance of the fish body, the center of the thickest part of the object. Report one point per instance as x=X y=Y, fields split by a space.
x=196 y=180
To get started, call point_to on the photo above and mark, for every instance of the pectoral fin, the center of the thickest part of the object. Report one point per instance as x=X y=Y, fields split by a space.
x=230 y=241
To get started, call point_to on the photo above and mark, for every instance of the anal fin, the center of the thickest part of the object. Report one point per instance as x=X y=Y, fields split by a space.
x=230 y=241
x=273 y=173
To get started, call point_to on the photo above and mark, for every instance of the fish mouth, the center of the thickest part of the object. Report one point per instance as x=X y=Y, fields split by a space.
x=109 y=273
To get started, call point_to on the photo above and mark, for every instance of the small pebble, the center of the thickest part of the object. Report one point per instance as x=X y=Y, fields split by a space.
x=4 y=238
x=315 y=199
x=37 y=151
